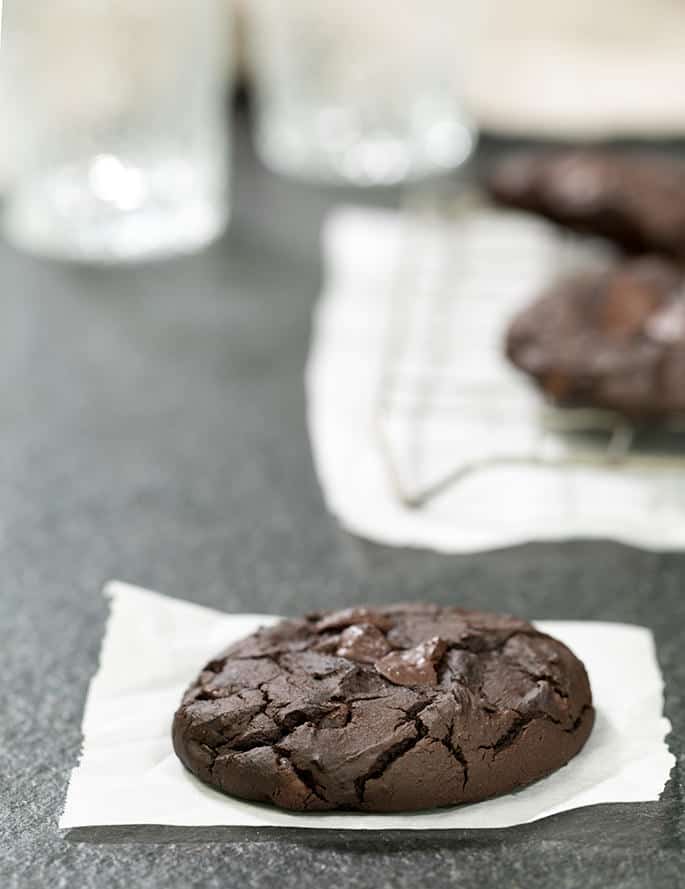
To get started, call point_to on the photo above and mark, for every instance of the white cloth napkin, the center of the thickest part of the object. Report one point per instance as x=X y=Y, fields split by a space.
x=154 y=646
x=407 y=383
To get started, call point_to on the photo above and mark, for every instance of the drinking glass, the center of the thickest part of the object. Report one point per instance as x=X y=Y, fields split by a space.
x=361 y=92
x=118 y=113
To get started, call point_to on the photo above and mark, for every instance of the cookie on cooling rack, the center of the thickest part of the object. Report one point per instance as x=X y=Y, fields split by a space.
x=613 y=340
x=636 y=200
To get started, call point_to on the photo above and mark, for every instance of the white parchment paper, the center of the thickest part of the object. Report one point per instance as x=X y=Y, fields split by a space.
x=414 y=313
x=154 y=646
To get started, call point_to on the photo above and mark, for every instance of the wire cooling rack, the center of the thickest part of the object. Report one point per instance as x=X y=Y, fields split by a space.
x=463 y=270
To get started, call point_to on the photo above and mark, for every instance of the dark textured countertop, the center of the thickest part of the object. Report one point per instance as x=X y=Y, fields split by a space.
x=153 y=429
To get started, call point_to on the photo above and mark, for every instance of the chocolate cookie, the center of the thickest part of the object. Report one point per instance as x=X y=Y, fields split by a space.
x=613 y=340
x=638 y=201
x=385 y=709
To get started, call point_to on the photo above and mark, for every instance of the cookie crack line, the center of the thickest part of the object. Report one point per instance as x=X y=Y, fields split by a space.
x=515 y=730
x=397 y=751
x=384 y=761
x=285 y=728
x=456 y=752
x=552 y=681
x=412 y=713
x=304 y=775
x=578 y=720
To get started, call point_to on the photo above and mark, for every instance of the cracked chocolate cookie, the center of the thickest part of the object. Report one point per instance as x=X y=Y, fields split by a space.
x=636 y=200
x=613 y=340
x=385 y=709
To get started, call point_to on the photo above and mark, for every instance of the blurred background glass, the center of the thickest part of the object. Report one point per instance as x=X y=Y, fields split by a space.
x=361 y=92
x=120 y=143
x=116 y=137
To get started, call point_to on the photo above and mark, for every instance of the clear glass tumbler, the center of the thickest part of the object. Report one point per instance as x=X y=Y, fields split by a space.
x=359 y=91
x=121 y=138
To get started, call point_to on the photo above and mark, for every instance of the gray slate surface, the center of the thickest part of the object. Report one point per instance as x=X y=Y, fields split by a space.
x=152 y=424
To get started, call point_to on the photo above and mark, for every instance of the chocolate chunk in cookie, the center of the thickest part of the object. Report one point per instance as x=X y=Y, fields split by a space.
x=383 y=709
x=612 y=340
